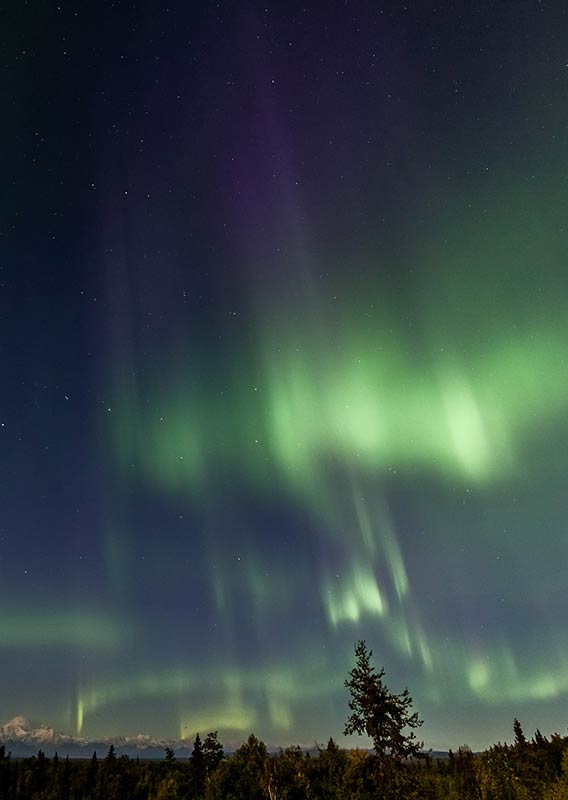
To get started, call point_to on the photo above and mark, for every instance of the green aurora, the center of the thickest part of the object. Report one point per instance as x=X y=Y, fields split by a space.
x=286 y=367
x=329 y=411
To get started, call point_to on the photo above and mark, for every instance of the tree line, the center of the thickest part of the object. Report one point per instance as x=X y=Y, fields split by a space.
x=536 y=769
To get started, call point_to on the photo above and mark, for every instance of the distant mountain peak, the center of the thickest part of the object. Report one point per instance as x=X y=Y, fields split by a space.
x=19 y=729
x=19 y=733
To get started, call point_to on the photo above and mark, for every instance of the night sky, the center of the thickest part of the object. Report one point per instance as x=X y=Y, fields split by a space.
x=284 y=348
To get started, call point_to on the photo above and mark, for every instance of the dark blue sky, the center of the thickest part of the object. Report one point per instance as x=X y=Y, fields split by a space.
x=283 y=302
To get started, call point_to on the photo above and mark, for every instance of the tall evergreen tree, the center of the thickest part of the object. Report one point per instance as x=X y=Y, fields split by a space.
x=110 y=758
x=198 y=768
x=520 y=739
x=385 y=717
x=212 y=752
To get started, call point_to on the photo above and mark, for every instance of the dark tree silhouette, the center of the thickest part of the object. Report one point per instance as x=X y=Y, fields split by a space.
x=110 y=758
x=520 y=739
x=385 y=717
x=538 y=770
x=212 y=752
x=198 y=768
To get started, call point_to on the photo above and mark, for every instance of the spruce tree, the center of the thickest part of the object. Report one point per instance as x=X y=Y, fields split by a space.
x=520 y=739
x=212 y=752
x=198 y=767
x=386 y=718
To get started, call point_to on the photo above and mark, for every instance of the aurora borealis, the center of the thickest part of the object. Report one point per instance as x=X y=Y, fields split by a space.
x=284 y=303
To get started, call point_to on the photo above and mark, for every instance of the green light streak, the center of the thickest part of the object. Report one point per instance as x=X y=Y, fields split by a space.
x=239 y=719
x=499 y=678
x=327 y=410
x=147 y=684
x=374 y=410
x=349 y=600
x=80 y=715
x=60 y=629
x=282 y=687
x=496 y=678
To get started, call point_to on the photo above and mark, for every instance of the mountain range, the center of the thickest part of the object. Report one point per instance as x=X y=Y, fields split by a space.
x=22 y=740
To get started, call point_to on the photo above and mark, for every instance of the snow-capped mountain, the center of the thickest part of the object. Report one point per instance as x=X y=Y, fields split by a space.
x=22 y=739
x=20 y=730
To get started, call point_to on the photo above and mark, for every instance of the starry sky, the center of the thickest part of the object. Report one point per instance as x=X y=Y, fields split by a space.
x=283 y=295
